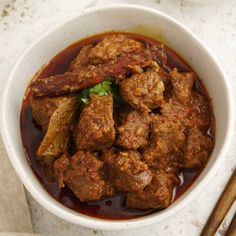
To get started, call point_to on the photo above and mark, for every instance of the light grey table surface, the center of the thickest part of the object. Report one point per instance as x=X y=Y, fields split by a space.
x=23 y=21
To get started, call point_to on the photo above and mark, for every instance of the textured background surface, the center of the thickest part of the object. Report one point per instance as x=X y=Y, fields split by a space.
x=23 y=21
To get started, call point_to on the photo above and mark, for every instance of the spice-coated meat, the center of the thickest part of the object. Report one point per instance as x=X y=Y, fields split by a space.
x=195 y=111
x=197 y=149
x=108 y=49
x=164 y=149
x=200 y=111
x=143 y=91
x=95 y=128
x=128 y=172
x=158 y=194
x=134 y=131
x=60 y=167
x=84 y=175
x=182 y=84
x=113 y=46
x=81 y=59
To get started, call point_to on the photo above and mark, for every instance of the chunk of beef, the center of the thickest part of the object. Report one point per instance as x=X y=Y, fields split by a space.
x=175 y=110
x=113 y=46
x=84 y=176
x=42 y=109
x=195 y=112
x=56 y=139
x=168 y=162
x=128 y=172
x=151 y=65
x=200 y=112
x=166 y=78
x=143 y=91
x=158 y=194
x=95 y=128
x=108 y=49
x=134 y=131
x=121 y=113
x=88 y=76
x=164 y=75
x=60 y=167
x=168 y=134
x=197 y=149
x=182 y=84
x=81 y=59
x=167 y=139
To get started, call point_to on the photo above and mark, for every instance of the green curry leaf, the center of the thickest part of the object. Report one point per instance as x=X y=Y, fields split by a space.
x=104 y=88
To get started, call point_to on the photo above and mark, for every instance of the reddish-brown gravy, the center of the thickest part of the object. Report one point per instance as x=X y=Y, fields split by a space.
x=109 y=208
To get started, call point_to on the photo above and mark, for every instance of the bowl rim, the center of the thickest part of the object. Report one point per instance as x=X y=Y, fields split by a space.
x=91 y=222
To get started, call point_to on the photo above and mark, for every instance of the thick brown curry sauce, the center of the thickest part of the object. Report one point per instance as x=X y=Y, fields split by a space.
x=111 y=208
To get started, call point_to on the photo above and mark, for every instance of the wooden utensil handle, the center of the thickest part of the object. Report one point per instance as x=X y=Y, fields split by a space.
x=222 y=207
x=232 y=228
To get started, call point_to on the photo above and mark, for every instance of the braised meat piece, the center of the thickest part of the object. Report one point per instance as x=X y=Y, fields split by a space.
x=56 y=139
x=108 y=49
x=167 y=133
x=167 y=139
x=60 y=167
x=164 y=75
x=95 y=128
x=113 y=46
x=84 y=176
x=71 y=82
x=195 y=111
x=186 y=105
x=168 y=162
x=137 y=69
x=197 y=149
x=182 y=84
x=120 y=114
x=133 y=133
x=143 y=91
x=42 y=109
x=158 y=194
x=81 y=59
x=128 y=172
x=200 y=112
x=175 y=110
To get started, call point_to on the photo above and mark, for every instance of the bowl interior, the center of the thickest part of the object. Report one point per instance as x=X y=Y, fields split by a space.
x=130 y=18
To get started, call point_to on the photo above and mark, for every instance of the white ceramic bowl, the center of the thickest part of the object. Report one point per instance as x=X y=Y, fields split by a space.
x=90 y=22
